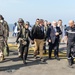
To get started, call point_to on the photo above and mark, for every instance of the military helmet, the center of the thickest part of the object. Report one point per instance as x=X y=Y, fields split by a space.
x=27 y=23
x=20 y=20
x=1 y=17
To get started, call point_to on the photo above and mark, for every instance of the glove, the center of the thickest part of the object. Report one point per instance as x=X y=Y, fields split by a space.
x=17 y=41
x=32 y=42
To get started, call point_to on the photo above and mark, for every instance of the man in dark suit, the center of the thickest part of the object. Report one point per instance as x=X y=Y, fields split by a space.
x=53 y=35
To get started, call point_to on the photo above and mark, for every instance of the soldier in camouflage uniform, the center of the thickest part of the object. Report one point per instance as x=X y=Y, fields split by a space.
x=5 y=24
x=24 y=35
x=2 y=40
x=19 y=27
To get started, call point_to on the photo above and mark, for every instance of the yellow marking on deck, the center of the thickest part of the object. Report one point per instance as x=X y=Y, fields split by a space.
x=31 y=51
x=62 y=55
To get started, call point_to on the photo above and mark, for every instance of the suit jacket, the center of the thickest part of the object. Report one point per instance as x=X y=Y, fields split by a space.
x=51 y=34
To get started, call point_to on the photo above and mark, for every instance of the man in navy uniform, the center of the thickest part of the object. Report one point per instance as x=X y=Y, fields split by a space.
x=70 y=36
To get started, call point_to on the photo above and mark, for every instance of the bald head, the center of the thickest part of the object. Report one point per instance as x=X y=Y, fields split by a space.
x=54 y=23
x=71 y=23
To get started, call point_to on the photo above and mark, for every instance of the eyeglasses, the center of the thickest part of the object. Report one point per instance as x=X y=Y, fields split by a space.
x=37 y=20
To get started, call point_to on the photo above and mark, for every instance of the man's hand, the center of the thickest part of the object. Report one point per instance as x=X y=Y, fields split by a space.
x=56 y=33
x=17 y=41
x=49 y=40
x=32 y=42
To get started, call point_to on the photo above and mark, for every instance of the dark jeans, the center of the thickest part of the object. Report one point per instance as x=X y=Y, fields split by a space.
x=44 y=48
x=19 y=49
x=54 y=46
x=24 y=51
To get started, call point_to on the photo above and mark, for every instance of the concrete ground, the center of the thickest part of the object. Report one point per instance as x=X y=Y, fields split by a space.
x=13 y=65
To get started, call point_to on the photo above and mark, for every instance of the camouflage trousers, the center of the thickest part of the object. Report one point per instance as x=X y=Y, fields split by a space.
x=1 y=46
x=1 y=51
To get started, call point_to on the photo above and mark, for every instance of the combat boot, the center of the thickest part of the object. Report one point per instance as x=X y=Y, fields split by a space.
x=70 y=61
x=2 y=58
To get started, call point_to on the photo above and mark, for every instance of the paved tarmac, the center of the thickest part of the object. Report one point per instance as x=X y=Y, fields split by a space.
x=13 y=65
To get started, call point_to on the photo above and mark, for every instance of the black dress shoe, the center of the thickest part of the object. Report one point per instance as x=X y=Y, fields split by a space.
x=70 y=63
x=56 y=57
x=50 y=58
x=72 y=60
x=42 y=59
x=24 y=61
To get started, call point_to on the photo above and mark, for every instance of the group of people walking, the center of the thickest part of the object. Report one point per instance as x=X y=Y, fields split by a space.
x=42 y=32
